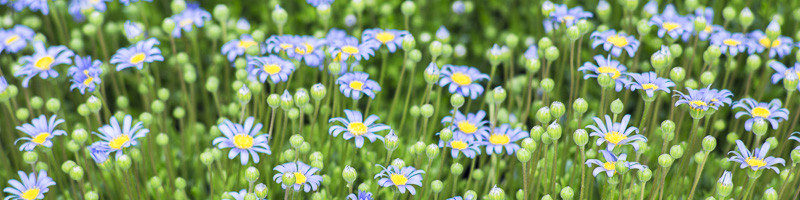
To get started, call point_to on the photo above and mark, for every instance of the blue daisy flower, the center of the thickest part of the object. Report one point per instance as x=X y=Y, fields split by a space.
x=783 y=72
x=649 y=83
x=37 y=5
x=730 y=43
x=613 y=68
x=772 y=112
x=138 y=54
x=280 y=43
x=99 y=152
x=393 y=39
x=702 y=99
x=40 y=130
x=532 y=53
x=242 y=139
x=237 y=47
x=564 y=15
x=471 y=125
x=615 y=42
x=615 y=134
x=757 y=160
x=132 y=30
x=15 y=39
x=503 y=137
x=462 y=80
x=31 y=186
x=117 y=137
x=272 y=67
x=303 y=175
x=355 y=126
x=350 y=47
x=361 y=195
x=85 y=74
x=759 y=42
x=335 y=37
x=718 y=97
x=192 y=16
x=462 y=144
x=651 y=8
x=77 y=7
x=442 y=34
x=353 y=84
x=42 y=62
x=673 y=24
x=404 y=179
x=609 y=166
x=243 y=25
x=309 y=50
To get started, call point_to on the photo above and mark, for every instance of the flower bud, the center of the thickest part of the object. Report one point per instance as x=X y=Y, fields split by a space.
x=431 y=73
x=523 y=155
x=446 y=134
x=547 y=84
x=676 y=151
x=617 y=106
x=80 y=135
x=30 y=157
x=557 y=109
x=94 y=104
x=288 y=179
x=620 y=167
x=536 y=132
x=667 y=126
x=567 y=193
x=605 y=81
x=349 y=174
x=399 y=163
x=91 y=195
x=709 y=143
x=279 y=16
x=437 y=186
x=580 y=137
x=408 y=8
x=773 y=30
x=244 y=95
x=770 y=194
x=456 y=169
x=22 y=114
x=261 y=191
x=123 y=162
x=435 y=48
x=644 y=175
x=665 y=160
x=746 y=17
x=432 y=151
x=456 y=100
x=390 y=141
x=677 y=74
x=580 y=105
x=206 y=158
x=499 y=94
x=759 y=127
x=543 y=115
x=318 y=91
x=162 y=139
x=426 y=110
x=497 y=194
x=251 y=174
x=554 y=131
x=573 y=33
x=301 y=97
x=286 y=100
x=700 y=23
x=528 y=144
x=551 y=53
x=415 y=111
x=296 y=140
x=273 y=100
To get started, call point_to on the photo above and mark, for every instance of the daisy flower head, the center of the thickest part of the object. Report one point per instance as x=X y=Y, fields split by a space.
x=462 y=144
x=361 y=195
x=243 y=140
x=15 y=39
x=650 y=8
x=309 y=50
x=404 y=179
x=671 y=23
x=304 y=176
x=704 y=12
x=280 y=43
x=609 y=166
x=43 y=61
x=649 y=83
x=37 y=5
x=567 y=16
x=757 y=160
x=30 y=186
x=699 y=101
x=783 y=72
x=242 y=25
x=718 y=97
x=117 y=137
x=78 y=7
x=758 y=42
x=613 y=68
x=615 y=134
x=772 y=112
x=192 y=16
x=615 y=42
x=442 y=34
x=730 y=43
x=349 y=47
x=355 y=126
x=142 y=52
x=317 y=3
x=237 y=47
x=503 y=137
x=353 y=84
x=99 y=152
x=709 y=31
x=532 y=53
x=273 y=67
x=471 y=125
x=462 y=80
x=391 y=38
x=85 y=74
x=133 y=31
x=40 y=130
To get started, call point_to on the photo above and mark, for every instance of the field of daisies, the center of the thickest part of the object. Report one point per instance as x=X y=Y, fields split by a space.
x=399 y=99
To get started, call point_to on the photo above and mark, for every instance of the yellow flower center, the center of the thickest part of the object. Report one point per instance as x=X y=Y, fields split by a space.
x=137 y=58
x=12 y=39
x=44 y=63
x=306 y=50
x=41 y=138
x=467 y=127
x=89 y=79
x=707 y=29
x=649 y=86
x=357 y=128
x=670 y=26
x=461 y=79
x=357 y=85
x=337 y=57
x=243 y=141
x=30 y=194
x=398 y=179
x=617 y=40
x=755 y=162
x=697 y=103
x=615 y=137
x=760 y=112
x=568 y=18
x=246 y=43
x=285 y=46
x=731 y=42
x=185 y=22
x=764 y=41
x=610 y=166
x=384 y=37
x=499 y=139
x=299 y=178
x=458 y=144
x=614 y=72
x=272 y=69
x=350 y=49
x=117 y=143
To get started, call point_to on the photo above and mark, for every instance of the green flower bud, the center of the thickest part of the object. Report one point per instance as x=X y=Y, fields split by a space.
x=580 y=105
x=301 y=97
x=547 y=197
x=179 y=112
x=435 y=48
x=286 y=100
x=770 y=194
x=123 y=162
x=456 y=169
x=30 y=157
x=80 y=135
x=709 y=143
x=261 y=191
x=53 y=105
x=676 y=151
x=659 y=60
x=446 y=134
x=499 y=94
x=523 y=155
x=547 y=84
x=251 y=174
x=700 y=23
x=557 y=109
x=273 y=100
x=408 y=8
x=573 y=33
x=665 y=160
x=76 y=173
x=456 y=100
x=497 y=194
x=162 y=139
x=206 y=158
x=773 y=142
x=677 y=74
x=22 y=114
x=620 y=167
x=415 y=111
x=760 y=127
x=426 y=110
x=244 y=95
x=795 y=156
x=554 y=131
x=617 y=106
x=293 y=113
x=605 y=81
x=409 y=43
x=279 y=16
x=91 y=195
x=580 y=137
x=536 y=132
x=390 y=142
x=566 y=192
x=533 y=65
x=36 y=102
x=73 y=146
x=349 y=174
x=296 y=140
x=667 y=126
x=432 y=151
x=318 y=91
x=157 y=106
x=543 y=115
x=551 y=53
x=437 y=186
x=644 y=175
x=399 y=163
